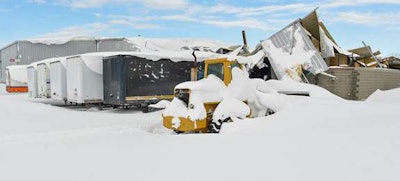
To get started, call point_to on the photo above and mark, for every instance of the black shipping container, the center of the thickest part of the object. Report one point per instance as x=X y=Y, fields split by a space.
x=135 y=81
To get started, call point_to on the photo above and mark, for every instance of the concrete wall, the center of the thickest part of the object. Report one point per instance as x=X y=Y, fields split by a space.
x=358 y=83
x=371 y=79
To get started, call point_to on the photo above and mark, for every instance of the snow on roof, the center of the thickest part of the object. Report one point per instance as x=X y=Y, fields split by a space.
x=46 y=61
x=176 y=56
x=175 y=44
x=18 y=72
x=94 y=61
x=142 y=44
x=58 y=40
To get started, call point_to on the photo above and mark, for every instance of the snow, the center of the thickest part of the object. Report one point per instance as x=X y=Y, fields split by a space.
x=313 y=139
x=18 y=73
x=94 y=61
x=160 y=105
x=207 y=90
x=141 y=43
x=392 y=95
x=59 y=40
x=289 y=49
x=174 y=44
x=230 y=107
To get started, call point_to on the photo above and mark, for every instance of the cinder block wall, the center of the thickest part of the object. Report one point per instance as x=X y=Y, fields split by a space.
x=358 y=83
x=371 y=79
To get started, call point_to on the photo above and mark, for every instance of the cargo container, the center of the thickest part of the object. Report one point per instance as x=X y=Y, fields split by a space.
x=58 y=77
x=85 y=78
x=16 y=78
x=140 y=79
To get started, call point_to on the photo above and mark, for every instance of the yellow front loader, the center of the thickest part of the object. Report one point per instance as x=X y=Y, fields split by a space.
x=221 y=68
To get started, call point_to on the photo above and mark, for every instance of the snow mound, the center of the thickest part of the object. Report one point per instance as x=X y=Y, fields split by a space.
x=392 y=95
x=3 y=88
x=160 y=105
x=289 y=85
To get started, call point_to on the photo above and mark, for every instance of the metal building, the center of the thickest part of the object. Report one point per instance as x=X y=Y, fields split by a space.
x=24 y=52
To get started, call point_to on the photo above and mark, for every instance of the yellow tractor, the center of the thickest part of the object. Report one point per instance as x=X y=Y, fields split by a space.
x=221 y=68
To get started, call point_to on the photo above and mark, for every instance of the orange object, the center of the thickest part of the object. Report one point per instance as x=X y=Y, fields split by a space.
x=12 y=89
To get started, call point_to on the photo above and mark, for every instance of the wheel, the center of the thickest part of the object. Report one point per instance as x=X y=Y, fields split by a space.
x=145 y=109
x=178 y=132
x=269 y=112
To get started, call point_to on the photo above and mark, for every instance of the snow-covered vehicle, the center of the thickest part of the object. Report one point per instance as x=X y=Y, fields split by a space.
x=202 y=106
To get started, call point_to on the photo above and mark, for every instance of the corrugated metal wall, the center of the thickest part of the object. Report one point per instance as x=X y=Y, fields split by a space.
x=6 y=54
x=29 y=52
x=114 y=45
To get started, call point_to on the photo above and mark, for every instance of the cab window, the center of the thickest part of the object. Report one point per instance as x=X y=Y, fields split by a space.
x=217 y=69
x=235 y=64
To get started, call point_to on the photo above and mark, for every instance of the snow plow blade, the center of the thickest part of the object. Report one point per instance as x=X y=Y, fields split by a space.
x=182 y=124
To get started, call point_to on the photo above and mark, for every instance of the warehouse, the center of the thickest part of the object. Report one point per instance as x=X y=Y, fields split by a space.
x=24 y=52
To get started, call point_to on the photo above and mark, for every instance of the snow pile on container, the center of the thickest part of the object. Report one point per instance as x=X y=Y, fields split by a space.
x=175 y=56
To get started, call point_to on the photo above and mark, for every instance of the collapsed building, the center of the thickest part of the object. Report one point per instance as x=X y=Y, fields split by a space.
x=305 y=51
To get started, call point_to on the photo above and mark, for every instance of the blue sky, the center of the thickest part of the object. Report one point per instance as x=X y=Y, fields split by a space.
x=377 y=22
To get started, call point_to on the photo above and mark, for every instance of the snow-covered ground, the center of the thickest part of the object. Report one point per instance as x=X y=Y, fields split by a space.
x=312 y=139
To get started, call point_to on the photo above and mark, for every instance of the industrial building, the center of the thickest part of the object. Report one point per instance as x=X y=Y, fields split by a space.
x=24 y=52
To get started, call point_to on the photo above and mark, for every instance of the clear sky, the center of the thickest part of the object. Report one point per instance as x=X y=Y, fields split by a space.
x=377 y=22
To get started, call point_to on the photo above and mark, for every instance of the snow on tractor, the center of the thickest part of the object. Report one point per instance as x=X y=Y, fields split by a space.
x=226 y=93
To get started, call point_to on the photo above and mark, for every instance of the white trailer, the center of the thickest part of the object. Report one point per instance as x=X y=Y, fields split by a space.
x=16 y=78
x=43 y=79
x=85 y=77
x=58 y=77
x=32 y=81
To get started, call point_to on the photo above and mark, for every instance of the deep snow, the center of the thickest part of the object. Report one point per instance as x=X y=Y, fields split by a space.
x=311 y=139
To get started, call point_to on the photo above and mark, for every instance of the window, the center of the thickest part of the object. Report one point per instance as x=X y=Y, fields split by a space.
x=235 y=64
x=216 y=69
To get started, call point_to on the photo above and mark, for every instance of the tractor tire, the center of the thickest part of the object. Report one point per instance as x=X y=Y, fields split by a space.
x=178 y=132
x=269 y=112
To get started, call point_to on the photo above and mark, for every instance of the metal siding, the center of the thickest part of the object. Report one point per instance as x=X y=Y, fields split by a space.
x=6 y=54
x=115 y=45
x=284 y=39
x=311 y=24
x=30 y=52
